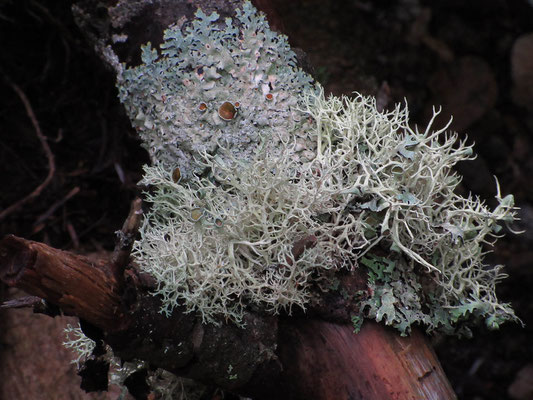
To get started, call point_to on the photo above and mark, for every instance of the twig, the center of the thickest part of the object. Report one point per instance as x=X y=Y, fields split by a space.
x=77 y=285
x=47 y=151
x=22 y=302
x=39 y=305
x=73 y=236
x=56 y=205
x=125 y=238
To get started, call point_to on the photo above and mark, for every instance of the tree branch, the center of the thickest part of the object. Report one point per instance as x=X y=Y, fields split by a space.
x=74 y=283
x=304 y=358
x=323 y=360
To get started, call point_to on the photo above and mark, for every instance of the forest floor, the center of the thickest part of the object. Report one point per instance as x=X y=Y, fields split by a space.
x=474 y=58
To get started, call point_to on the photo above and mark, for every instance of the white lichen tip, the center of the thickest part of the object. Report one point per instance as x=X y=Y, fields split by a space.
x=291 y=165
x=80 y=344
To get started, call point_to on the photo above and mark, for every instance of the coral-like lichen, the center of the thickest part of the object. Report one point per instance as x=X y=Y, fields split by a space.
x=403 y=189
x=249 y=157
x=224 y=241
x=80 y=344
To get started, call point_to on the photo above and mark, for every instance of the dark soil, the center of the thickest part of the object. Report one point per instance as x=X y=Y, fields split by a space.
x=456 y=54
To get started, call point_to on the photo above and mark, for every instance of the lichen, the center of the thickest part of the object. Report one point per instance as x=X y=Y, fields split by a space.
x=231 y=193
x=403 y=189
x=173 y=98
x=81 y=345
x=263 y=207
x=164 y=384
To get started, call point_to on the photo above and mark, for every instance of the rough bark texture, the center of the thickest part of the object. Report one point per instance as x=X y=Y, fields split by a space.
x=328 y=361
x=33 y=362
x=140 y=22
x=74 y=283
x=133 y=325
x=183 y=345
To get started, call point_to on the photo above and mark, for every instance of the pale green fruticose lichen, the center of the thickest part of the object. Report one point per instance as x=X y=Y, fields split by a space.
x=163 y=383
x=81 y=345
x=291 y=165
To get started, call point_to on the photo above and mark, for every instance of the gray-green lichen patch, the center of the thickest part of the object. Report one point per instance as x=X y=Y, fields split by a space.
x=174 y=97
x=221 y=243
x=401 y=198
x=280 y=162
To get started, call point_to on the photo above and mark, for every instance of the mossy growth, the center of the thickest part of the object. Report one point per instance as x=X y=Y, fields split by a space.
x=230 y=196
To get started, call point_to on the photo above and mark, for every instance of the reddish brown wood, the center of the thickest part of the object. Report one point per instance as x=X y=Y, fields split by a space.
x=34 y=364
x=323 y=361
x=179 y=343
x=74 y=283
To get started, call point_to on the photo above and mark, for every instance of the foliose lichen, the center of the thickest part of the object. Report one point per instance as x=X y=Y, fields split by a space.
x=232 y=190
x=231 y=84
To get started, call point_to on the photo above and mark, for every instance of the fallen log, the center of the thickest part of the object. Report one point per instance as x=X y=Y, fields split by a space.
x=272 y=357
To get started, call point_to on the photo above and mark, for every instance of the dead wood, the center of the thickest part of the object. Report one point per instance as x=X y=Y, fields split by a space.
x=302 y=358
x=284 y=358
x=74 y=283
x=325 y=360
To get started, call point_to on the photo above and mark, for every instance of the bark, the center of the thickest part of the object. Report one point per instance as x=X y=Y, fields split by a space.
x=315 y=359
x=324 y=360
x=292 y=358
x=140 y=22
x=74 y=283
x=132 y=324
x=30 y=347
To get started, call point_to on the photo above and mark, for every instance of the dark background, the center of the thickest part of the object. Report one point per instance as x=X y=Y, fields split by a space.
x=458 y=54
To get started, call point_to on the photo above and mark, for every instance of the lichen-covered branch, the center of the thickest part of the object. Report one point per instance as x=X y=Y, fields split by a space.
x=131 y=322
x=256 y=361
x=249 y=156
x=269 y=198
x=118 y=29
